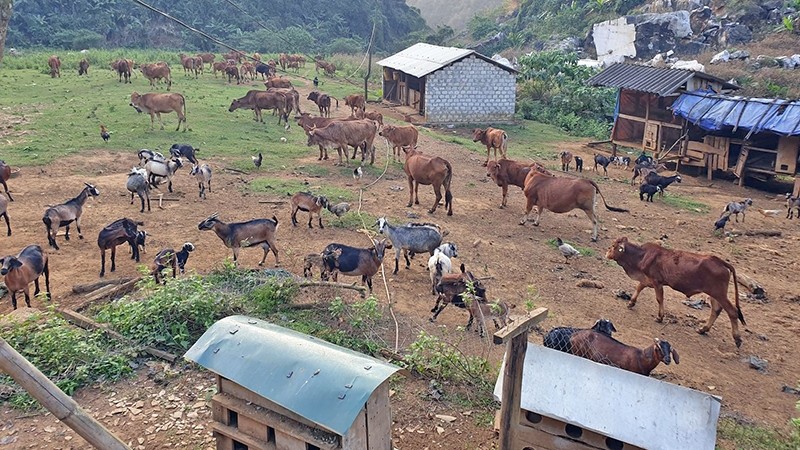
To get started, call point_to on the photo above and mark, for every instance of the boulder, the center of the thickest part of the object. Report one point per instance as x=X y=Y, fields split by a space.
x=735 y=34
x=692 y=65
x=767 y=61
x=723 y=56
x=740 y=54
x=658 y=33
x=749 y=13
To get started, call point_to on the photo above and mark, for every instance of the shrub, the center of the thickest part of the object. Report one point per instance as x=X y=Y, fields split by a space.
x=345 y=45
x=433 y=357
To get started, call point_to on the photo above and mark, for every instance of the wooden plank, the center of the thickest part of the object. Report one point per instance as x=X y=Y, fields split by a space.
x=519 y=324
x=250 y=426
x=379 y=419
x=277 y=421
x=84 y=288
x=558 y=428
x=223 y=442
x=739 y=169
x=356 y=436
x=234 y=434
x=109 y=291
x=219 y=413
x=540 y=440
x=796 y=190
x=705 y=148
x=512 y=388
x=285 y=442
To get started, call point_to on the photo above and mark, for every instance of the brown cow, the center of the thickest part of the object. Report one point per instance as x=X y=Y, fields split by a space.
x=492 y=138
x=208 y=58
x=257 y=56
x=260 y=100
x=283 y=58
x=566 y=159
x=562 y=195
x=218 y=67
x=5 y=174
x=355 y=101
x=425 y=169
x=278 y=82
x=55 y=66
x=294 y=65
x=189 y=65
x=233 y=72
x=323 y=102
x=507 y=172
x=155 y=104
x=156 y=72
x=247 y=70
x=83 y=67
x=236 y=56
x=198 y=64
x=292 y=99
x=400 y=137
x=371 y=115
x=341 y=134
x=123 y=69
x=686 y=272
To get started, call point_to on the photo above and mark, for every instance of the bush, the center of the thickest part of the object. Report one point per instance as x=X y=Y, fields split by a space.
x=433 y=357
x=345 y=45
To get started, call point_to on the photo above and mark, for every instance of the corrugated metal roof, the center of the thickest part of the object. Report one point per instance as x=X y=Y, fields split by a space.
x=421 y=59
x=654 y=80
x=322 y=382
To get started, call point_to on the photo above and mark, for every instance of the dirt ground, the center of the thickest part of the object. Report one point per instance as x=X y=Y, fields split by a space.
x=491 y=243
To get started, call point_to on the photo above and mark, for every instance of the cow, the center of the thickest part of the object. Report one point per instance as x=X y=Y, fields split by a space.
x=218 y=67
x=260 y=100
x=323 y=102
x=562 y=195
x=341 y=134
x=198 y=64
x=235 y=56
x=156 y=72
x=155 y=104
x=371 y=115
x=278 y=82
x=355 y=102
x=55 y=66
x=507 y=172
x=83 y=67
x=294 y=65
x=123 y=69
x=247 y=70
x=265 y=70
x=328 y=68
x=283 y=58
x=292 y=99
x=686 y=272
x=400 y=137
x=492 y=138
x=428 y=170
x=208 y=58
x=189 y=65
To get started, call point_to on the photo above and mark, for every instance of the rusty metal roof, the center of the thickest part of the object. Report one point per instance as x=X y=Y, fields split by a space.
x=325 y=383
x=654 y=80
x=421 y=59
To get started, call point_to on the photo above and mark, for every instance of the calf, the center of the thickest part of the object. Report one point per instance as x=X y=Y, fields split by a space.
x=603 y=161
x=323 y=102
x=492 y=138
x=738 y=207
x=371 y=115
x=686 y=272
x=155 y=104
x=83 y=67
x=157 y=72
x=508 y=172
x=54 y=62
x=353 y=261
x=20 y=270
x=649 y=190
x=399 y=137
x=341 y=134
x=277 y=82
x=355 y=102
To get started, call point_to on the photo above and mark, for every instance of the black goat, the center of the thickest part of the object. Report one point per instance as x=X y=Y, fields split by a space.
x=170 y=258
x=114 y=234
x=184 y=150
x=354 y=261
x=660 y=181
x=64 y=214
x=649 y=190
x=578 y=164
x=602 y=160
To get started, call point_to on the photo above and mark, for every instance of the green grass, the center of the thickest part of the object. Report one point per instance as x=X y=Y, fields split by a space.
x=281 y=187
x=750 y=437
x=584 y=251
x=681 y=202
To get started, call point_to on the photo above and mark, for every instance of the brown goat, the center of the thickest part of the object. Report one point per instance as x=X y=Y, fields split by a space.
x=4 y=211
x=5 y=174
x=566 y=159
x=19 y=271
x=451 y=289
x=245 y=234
x=428 y=170
x=483 y=310
x=311 y=260
x=492 y=138
x=116 y=233
x=604 y=349
x=310 y=203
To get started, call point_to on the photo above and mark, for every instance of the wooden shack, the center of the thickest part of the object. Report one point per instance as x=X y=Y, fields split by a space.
x=278 y=389
x=556 y=401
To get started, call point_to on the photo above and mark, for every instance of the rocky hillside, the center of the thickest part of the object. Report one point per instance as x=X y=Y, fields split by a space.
x=453 y=13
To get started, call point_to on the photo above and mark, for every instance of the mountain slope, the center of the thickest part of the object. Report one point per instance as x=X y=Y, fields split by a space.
x=453 y=13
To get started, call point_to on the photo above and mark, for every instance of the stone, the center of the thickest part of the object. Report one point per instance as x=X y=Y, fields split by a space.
x=723 y=56
x=736 y=34
x=757 y=363
x=767 y=61
x=740 y=54
x=446 y=418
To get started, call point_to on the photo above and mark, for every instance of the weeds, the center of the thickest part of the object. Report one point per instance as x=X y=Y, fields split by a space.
x=680 y=202
x=432 y=357
x=751 y=437
x=281 y=187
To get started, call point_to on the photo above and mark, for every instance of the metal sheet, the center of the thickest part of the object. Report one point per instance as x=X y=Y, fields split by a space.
x=629 y=407
x=421 y=59
x=653 y=80
x=322 y=382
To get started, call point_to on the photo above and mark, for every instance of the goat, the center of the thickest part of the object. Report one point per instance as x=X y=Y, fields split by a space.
x=141 y=237
x=452 y=288
x=170 y=258
x=244 y=234
x=483 y=310
x=415 y=238
x=19 y=271
x=318 y=259
x=137 y=184
x=203 y=176
x=162 y=169
x=64 y=214
x=603 y=349
x=644 y=159
x=352 y=261
x=559 y=337
x=649 y=190
x=738 y=207
x=791 y=204
x=310 y=203
x=621 y=161
x=643 y=169
x=339 y=209
x=146 y=155
x=566 y=159
x=5 y=175
x=578 y=164
x=440 y=263
x=114 y=234
x=663 y=182
x=4 y=211
x=603 y=161
x=184 y=150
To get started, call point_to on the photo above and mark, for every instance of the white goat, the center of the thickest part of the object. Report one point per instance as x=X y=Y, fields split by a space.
x=162 y=169
x=440 y=264
x=203 y=176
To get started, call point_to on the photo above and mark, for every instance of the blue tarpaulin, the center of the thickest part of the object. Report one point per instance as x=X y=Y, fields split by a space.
x=715 y=112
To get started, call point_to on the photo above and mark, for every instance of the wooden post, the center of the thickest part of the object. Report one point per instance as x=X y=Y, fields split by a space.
x=515 y=336
x=63 y=407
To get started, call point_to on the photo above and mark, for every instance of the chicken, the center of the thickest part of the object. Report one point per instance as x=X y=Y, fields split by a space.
x=721 y=222
x=567 y=250
x=257 y=160
x=770 y=212
x=104 y=133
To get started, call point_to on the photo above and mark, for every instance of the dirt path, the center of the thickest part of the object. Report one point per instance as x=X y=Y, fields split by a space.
x=491 y=243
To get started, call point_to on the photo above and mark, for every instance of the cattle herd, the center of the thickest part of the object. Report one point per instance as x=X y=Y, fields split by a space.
x=649 y=264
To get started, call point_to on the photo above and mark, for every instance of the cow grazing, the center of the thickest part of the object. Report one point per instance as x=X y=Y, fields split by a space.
x=83 y=67
x=261 y=100
x=208 y=58
x=189 y=65
x=54 y=62
x=218 y=67
x=277 y=82
x=355 y=102
x=400 y=137
x=155 y=104
x=509 y=172
x=341 y=134
x=231 y=71
x=433 y=170
x=562 y=195
x=323 y=102
x=566 y=159
x=123 y=69
x=686 y=272
x=19 y=271
x=492 y=138
x=157 y=72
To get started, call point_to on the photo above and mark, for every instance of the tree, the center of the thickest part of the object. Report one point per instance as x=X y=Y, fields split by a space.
x=5 y=16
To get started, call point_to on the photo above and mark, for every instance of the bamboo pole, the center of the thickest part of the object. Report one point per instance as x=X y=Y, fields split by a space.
x=62 y=406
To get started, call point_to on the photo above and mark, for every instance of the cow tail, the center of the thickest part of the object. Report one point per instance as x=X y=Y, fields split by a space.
x=504 y=144
x=735 y=291
x=610 y=208
x=337 y=101
x=448 y=196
